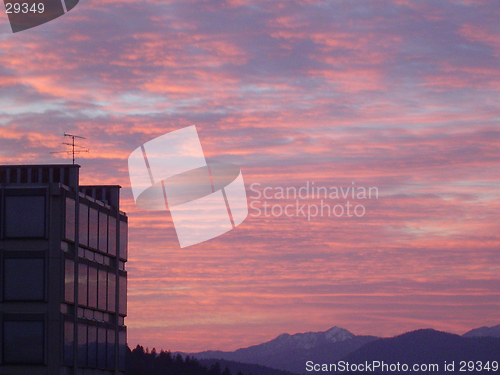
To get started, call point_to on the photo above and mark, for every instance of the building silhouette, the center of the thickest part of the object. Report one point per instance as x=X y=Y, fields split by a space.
x=63 y=296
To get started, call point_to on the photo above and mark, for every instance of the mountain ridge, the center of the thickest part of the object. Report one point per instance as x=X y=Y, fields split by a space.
x=429 y=347
x=290 y=352
x=484 y=332
x=283 y=342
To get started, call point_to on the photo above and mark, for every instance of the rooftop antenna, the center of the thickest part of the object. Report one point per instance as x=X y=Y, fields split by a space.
x=79 y=149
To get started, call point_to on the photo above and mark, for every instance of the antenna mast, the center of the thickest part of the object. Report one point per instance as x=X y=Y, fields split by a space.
x=79 y=149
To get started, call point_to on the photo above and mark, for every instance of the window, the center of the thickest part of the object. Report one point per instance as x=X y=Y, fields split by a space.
x=68 y=343
x=101 y=347
x=122 y=303
x=24 y=175
x=110 y=358
x=112 y=236
x=122 y=350
x=70 y=219
x=69 y=281
x=93 y=228
x=82 y=345
x=25 y=216
x=13 y=175
x=34 y=175
x=101 y=300
x=111 y=292
x=92 y=340
x=23 y=342
x=84 y=224
x=103 y=232
x=123 y=239
x=92 y=287
x=82 y=284
x=24 y=279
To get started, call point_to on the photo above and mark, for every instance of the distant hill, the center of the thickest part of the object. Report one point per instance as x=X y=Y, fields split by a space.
x=428 y=346
x=282 y=343
x=290 y=352
x=484 y=332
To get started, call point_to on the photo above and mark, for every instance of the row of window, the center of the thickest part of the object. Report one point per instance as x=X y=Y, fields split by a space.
x=25 y=217
x=96 y=257
x=95 y=346
x=23 y=342
x=35 y=174
x=97 y=229
x=96 y=287
x=23 y=279
x=94 y=315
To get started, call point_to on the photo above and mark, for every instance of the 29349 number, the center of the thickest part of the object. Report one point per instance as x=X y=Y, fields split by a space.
x=24 y=8
x=478 y=366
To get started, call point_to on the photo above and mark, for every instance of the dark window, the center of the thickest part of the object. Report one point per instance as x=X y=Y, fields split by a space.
x=101 y=300
x=110 y=358
x=68 y=343
x=122 y=303
x=112 y=236
x=69 y=281
x=24 y=175
x=24 y=279
x=82 y=345
x=34 y=175
x=92 y=338
x=101 y=347
x=70 y=219
x=103 y=232
x=122 y=349
x=13 y=175
x=93 y=228
x=108 y=197
x=66 y=176
x=123 y=239
x=84 y=225
x=93 y=287
x=45 y=175
x=3 y=176
x=23 y=342
x=111 y=292
x=82 y=284
x=56 y=174
x=25 y=216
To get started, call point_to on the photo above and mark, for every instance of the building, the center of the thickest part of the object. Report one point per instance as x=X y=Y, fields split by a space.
x=63 y=296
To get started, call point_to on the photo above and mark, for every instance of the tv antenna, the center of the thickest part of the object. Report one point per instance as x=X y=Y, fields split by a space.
x=75 y=149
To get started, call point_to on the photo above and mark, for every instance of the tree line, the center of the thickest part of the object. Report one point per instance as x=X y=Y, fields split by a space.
x=145 y=362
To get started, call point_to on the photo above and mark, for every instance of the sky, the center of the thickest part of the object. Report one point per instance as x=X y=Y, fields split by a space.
x=399 y=95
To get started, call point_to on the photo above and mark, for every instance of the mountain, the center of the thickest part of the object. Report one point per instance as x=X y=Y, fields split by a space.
x=484 y=332
x=284 y=342
x=428 y=346
x=291 y=352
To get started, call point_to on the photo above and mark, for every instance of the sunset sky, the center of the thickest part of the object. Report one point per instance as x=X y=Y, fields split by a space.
x=400 y=95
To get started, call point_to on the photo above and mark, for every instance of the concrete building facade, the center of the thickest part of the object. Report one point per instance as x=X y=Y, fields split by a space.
x=63 y=284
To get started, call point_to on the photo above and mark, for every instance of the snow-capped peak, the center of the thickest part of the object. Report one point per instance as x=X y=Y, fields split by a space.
x=310 y=339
